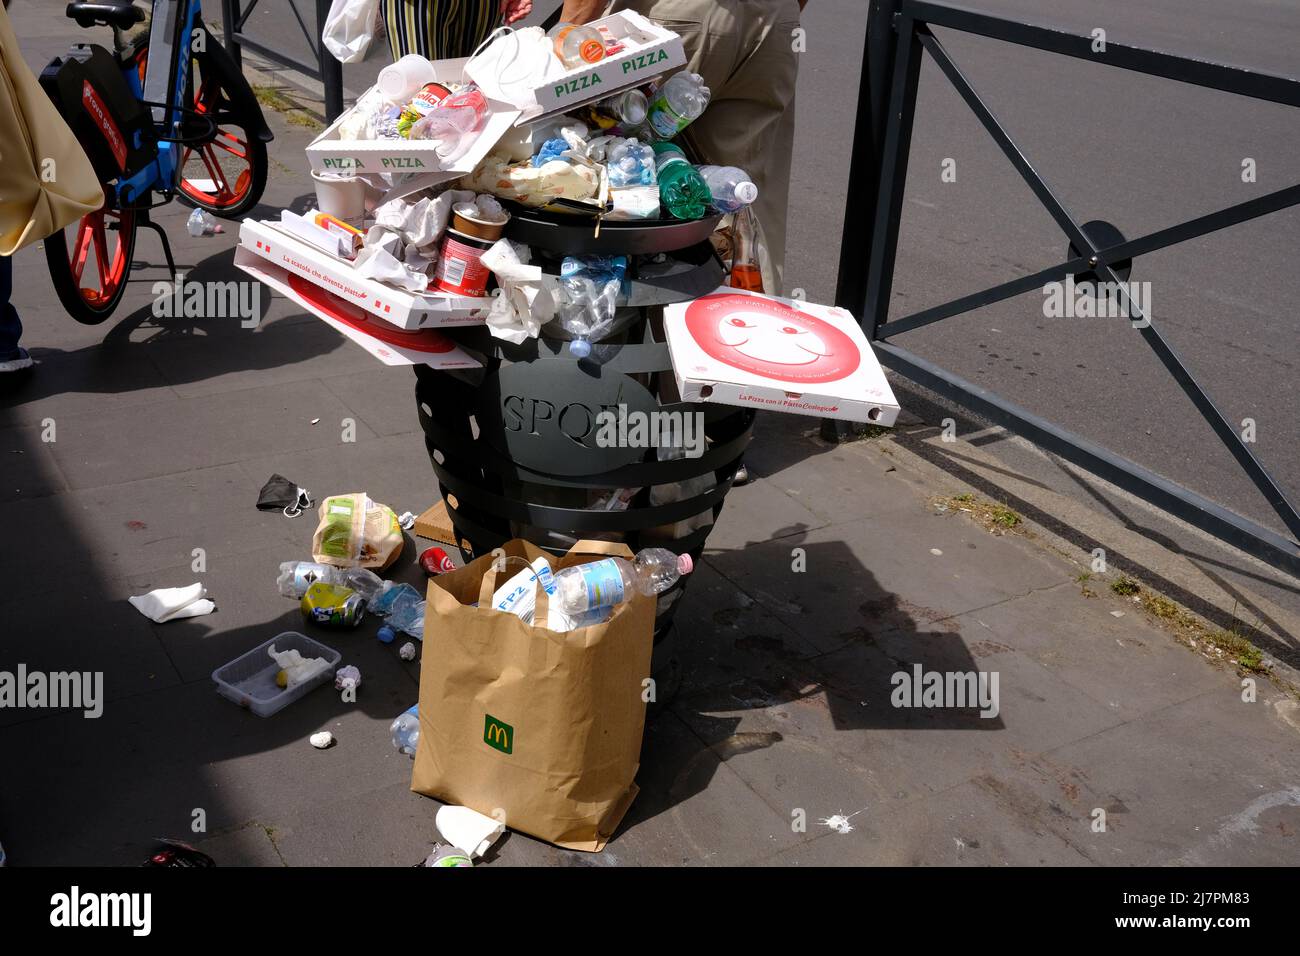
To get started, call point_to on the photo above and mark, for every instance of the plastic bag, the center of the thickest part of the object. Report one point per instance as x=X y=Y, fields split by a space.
x=356 y=532
x=349 y=28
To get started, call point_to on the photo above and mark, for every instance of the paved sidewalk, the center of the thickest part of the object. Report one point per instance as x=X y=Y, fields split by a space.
x=166 y=428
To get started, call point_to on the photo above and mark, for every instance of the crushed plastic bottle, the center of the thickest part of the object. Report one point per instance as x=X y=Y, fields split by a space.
x=611 y=581
x=589 y=290
x=201 y=223
x=406 y=730
x=676 y=104
x=403 y=607
x=455 y=116
x=630 y=162
x=297 y=576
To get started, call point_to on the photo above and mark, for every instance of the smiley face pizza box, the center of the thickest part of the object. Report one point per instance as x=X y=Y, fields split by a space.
x=742 y=348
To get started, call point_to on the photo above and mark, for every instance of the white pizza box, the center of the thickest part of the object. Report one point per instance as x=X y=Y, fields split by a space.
x=390 y=345
x=649 y=50
x=406 y=310
x=743 y=348
x=329 y=153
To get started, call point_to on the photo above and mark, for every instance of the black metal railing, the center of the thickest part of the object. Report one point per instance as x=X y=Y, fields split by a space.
x=326 y=69
x=898 y=36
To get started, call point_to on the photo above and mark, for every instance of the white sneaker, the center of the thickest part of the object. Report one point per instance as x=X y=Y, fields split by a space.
x=17 y=364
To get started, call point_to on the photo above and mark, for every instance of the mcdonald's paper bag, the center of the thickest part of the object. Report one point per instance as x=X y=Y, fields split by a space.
x=538 y=728
x=46 y=181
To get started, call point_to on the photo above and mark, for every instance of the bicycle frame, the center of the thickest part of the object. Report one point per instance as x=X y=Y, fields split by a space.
x=171 y=33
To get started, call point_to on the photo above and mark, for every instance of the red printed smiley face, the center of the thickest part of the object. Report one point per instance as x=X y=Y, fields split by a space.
x=770 y=339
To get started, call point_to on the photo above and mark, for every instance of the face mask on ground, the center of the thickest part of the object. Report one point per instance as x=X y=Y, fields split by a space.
x=281 y=494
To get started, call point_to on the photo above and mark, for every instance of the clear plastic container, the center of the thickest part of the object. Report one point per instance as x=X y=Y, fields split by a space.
x=249 y=680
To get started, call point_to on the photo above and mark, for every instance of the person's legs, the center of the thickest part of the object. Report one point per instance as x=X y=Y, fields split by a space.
x=744 y=50
x=12 y=356
x=10 y=328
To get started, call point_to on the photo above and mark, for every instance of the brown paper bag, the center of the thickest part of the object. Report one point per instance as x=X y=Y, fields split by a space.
x=538 y=728
x=46 y=181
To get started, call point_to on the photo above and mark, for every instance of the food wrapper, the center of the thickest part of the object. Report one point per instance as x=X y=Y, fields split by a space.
x=356 y=532
x=533 y=185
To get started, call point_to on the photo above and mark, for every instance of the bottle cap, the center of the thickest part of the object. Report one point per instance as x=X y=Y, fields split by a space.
x=685 y=564
x=746 y=192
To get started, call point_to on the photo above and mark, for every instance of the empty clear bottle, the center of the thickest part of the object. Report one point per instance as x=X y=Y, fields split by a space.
x=730 y=187
x=406 y=730
x=297 y=576
x=611 y=581
x=577 y=44
x=676 y=104
x=682 y=190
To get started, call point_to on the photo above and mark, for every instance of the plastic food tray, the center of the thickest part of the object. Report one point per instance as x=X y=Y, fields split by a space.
x=249 y=680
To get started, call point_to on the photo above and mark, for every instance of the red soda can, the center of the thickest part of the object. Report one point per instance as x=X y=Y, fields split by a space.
x=436 y=561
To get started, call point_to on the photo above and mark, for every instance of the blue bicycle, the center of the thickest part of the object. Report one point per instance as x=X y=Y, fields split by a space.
x=167 y=113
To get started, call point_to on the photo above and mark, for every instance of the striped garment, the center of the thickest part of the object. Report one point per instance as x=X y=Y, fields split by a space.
x=438 y=29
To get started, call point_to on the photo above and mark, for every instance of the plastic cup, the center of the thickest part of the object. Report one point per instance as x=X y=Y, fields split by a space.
x=400 y=81
x=472 y=225
x=341 y=196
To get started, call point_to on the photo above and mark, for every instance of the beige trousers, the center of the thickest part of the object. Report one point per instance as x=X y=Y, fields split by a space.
x=744 y=49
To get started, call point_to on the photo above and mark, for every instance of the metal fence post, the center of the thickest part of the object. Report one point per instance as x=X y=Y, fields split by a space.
x=864 y=177
x=229 y=17
x=331 y=70
x=864 y=169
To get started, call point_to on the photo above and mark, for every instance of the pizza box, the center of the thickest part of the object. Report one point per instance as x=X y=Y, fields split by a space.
x=743 y=348
x=390 y=345
x=406 y=310
x=649 y=50
x=330 y=153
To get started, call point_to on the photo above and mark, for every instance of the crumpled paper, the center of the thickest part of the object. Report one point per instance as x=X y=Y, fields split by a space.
x=403 y=241
x=527 y=297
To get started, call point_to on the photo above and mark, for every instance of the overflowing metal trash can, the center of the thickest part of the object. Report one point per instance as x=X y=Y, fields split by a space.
x=517 y=446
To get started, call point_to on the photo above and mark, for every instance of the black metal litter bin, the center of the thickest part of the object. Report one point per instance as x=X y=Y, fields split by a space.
x=516 y=447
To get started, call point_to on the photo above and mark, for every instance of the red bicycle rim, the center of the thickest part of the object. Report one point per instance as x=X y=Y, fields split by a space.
x=225 y=143
x=110 y=255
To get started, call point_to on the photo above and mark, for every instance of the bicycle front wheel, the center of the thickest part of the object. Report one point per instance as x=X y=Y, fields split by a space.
x=90 y=275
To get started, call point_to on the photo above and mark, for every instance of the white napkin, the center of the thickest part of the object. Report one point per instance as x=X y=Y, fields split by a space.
x=468 y=830
x=527 y=296
x=172 y=604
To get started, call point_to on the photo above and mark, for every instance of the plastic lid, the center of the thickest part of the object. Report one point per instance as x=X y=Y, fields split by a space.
x=684 y=564
x=746 y=192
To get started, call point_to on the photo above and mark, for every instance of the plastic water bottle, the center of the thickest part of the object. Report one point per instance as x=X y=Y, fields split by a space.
x=577 y=44
x=201 y=223
x=406 y=730
x=679 y=101
x=682 y=190
x=403 y=606
x=406 y=619
x=390 y=596
x=631 y=163
x=297 y=576
x=611 y=581
x=730 y=187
